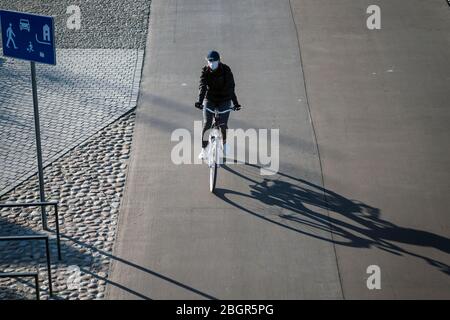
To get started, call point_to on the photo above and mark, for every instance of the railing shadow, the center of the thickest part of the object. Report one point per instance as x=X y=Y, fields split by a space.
x=140 y=268
x=74 y=252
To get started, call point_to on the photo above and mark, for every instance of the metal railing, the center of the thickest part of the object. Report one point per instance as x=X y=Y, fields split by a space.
x=47 y=252
x=24 y=275
x=44 y=224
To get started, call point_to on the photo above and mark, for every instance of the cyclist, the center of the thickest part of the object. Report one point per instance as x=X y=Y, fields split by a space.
x=216 y=90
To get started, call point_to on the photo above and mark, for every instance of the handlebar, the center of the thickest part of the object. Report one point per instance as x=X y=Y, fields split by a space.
x=218 y=112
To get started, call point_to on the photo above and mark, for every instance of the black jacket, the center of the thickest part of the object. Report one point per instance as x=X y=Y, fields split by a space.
x=218 y=85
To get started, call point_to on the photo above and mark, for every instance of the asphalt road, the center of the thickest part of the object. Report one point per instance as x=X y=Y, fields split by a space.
x=376 y=194
x=379 y=100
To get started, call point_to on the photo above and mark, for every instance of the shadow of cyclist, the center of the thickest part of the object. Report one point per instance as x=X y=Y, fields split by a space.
x=307 y=208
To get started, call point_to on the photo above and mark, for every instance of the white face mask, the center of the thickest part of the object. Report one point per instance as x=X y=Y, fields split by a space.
x=213 y=65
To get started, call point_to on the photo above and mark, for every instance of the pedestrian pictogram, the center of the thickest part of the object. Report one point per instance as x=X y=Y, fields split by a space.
x=28 y=36
x=10 y=35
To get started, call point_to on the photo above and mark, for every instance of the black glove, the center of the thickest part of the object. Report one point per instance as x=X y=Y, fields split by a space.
x=237 y=107
x=198 y=105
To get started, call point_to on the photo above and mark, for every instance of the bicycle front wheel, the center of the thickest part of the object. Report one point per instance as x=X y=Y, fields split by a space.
x=213 y=167
x=212 y=177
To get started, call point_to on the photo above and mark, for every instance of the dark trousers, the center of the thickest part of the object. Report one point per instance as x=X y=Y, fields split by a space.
x=208 y=119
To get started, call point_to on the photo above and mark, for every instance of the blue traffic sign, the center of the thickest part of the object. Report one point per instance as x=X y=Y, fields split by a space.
x=28 y=36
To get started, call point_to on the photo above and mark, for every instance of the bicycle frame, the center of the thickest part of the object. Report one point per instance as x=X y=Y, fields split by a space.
x=215 y=136
x=215 y=148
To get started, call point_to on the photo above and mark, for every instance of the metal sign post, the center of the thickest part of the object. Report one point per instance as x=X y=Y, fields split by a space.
x=37 y=129
x=30 y=37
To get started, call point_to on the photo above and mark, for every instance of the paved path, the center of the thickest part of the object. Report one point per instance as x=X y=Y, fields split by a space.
x=104 y=24
x=379 y=100
x=176 y=240
x=87 y=90
x=378 y=104
x=94 y=82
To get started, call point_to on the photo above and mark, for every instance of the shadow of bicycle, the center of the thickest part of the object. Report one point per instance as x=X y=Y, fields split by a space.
x=311 y=210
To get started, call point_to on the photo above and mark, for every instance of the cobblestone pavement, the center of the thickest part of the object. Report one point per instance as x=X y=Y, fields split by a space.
x=77 y=98
x=110 y=24
x=88 y=182
x=94 y=83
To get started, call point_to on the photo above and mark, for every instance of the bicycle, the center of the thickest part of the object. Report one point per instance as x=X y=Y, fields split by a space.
x=215 y=147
